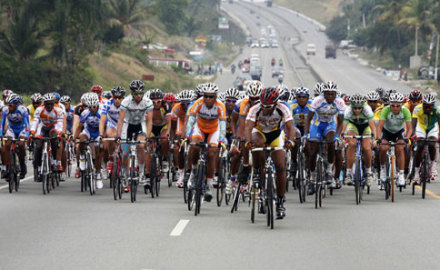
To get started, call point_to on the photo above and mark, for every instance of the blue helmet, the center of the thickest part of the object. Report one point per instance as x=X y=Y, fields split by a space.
x=57 y=96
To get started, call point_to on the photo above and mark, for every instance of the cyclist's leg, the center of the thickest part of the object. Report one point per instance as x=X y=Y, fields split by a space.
x=141 y=155
x=258 y=158
x=213 y=139
x=316 y=132
x=420 y=133
x=352 y=130
x=194 y=152
x=164 y=148
x=330 y=135
x=54 y=147
x=22 y=154
x=433 y=135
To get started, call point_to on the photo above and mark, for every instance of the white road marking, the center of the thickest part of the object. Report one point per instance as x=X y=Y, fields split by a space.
x=177 y=231
x=25 y=179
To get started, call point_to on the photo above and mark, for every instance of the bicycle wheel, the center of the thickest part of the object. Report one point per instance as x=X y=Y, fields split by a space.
x=158 y=178
x=153 y=171
x=288 y=170
x=13 y=173
x=320 y=171
x=221 y=181
x=357 y=181
x=90 y=175
x=269 y=198
x=133 y=181
x=425 y=173
x=48 y=180
x=254 y=198
x=43 y=178
x=114 y=179
x=301 y=179
x=170 y=169
x=199 y=187
x=185 y=187
x=236 y=197
x=392 y=177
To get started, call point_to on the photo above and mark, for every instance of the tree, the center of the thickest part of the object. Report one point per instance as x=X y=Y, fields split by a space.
x=172 y=14
x=128 y=14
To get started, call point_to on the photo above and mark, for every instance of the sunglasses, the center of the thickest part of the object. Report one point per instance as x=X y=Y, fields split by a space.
x=208 y=96
x=267 y=106
x=302 y=97
x=396 y=105
x=184 y=103
x=372 y=101
x=36 y=104
x=138 y=94
x=357 y=108
x=49 y=104
x=428 y=107
x=231 y=100
x=93 y=107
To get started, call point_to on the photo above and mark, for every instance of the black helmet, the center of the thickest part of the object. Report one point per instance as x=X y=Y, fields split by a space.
x=156 y=94
x=118 y=91
x=137 y=86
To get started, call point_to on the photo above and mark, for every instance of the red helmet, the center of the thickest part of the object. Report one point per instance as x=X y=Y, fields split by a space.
x=96 y=89
x=270 y=95
x=170 y=97
x=347 y=99
x=6 y=93
x=415 y=95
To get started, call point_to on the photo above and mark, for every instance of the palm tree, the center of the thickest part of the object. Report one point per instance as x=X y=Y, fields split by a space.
x=128 y=14
x=391 y=12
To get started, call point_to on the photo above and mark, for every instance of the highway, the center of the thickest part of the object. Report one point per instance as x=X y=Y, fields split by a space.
x=68 y=229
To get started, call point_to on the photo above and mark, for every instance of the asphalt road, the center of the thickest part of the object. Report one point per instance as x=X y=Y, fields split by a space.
x=67 y=229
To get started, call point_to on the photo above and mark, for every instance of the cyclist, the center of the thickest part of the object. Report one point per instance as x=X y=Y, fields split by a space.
x=66 y=102
x=395 y=120
x=36 y=100
x=107 y=95
x=425 y=124
x=90 y=119
x=161 y=114
x=415 y=98
x=98 y=90
x=176 y=123
x=208 y=116
x=48 y=122
x=5 y=95
x=135 y=122
x=317 y=91
x=358 y=120
x=323 y=111
x=254 y=89
x=263 y=127
x=373 y=99
x=231 y=97
x=76 y=117
x=109 y=122
x=17 y=128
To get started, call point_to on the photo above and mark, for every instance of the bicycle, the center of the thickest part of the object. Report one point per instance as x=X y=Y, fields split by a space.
x=45 y=173
x=155 y=166
x=172 y=170
x=391 y=175
x=239 y=190
x=223 y=175
x=359 y=179
x=196 y=190
x=88 y=177
x=321 y=167
x=14 y=167
x=424 y=165
x=185 y=148
x=301 y=172
x=115 y=172
x=268 y=183
x=133 y=174
x=70 y=156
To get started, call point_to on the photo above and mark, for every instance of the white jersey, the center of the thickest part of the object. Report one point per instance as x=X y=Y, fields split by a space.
x=111 y=112
x=325 y=112
x=272 y=122
x=136 y=112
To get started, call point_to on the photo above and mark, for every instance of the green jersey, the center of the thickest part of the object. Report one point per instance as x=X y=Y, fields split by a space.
x=395 y=122
x=360 y=119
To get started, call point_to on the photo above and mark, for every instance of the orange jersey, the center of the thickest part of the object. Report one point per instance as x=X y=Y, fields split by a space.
x=208 y=118
x=245 y=106
x=178 y=112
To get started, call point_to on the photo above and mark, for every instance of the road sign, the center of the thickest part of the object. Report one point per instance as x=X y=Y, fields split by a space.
x=223 y=23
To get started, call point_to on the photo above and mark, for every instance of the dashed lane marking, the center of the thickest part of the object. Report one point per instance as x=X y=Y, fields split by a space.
x=180 y=226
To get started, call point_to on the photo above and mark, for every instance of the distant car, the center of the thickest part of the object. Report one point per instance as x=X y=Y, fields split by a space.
x=264 y=44
x=240 y=80
x=311 y=49
x=255 y=43
x=330 y=51
x=274 y=44
x=276 y=71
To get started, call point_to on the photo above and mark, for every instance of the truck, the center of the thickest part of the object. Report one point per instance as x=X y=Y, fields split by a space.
x=268 y=3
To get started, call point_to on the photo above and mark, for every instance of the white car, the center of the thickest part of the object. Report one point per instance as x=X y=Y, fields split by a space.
x=311 y=49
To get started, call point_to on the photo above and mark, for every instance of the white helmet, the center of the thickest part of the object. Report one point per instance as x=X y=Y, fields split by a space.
x=92 y=100
x=318 y=88
x=428 y=99
x=254 y=89
x=233 y=93
x=373 y=95
x=185 y=96
x=357 y=100
x=210 y=88
x=330 y=87
x=396 y=97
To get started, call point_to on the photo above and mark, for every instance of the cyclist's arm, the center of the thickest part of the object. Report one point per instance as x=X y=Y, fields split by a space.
x=308 y=121
x=120 y=122
x=234 y=123
x=102 y=122
x=36 y=121
x=2 y=124
x=241 y=128
x=344 y=127
x=339 y=119
x=290 y=130
x=64 y=129
x=379 y=128
x=413 y=125
x=185 y=122
x=173 y=127
x=78 y=130
x=408 y=130
x=149 y=117
x=372 y=125
x=191 y=121
x=26 y=125
x=249 y=125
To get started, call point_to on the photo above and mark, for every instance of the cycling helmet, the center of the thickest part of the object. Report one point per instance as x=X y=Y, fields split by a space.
x=318 y=88
x=57 y=96
x=269 y=96
x=185 y=96
x=170 y=97
x=199 y=90
x=254 y=89
x=194 y=95
x=92 y=100
x=428 y=99
x=147 y=94
x=380 y=91
x=292 y=96
x=210 y=88
x=222 y=97
x=242 y=94
x=156 y=94
x=48 y=97
x=36 y=98
x=373 y=95
x=347 y=99
x=357 y=100
x=396 y=97
x=232 y=93
x=137 y=86
x=96 y=89
x=302 y=91
x=107 y=94
x=118 y=91
x=6 y=93
x=65 y=99
x=284 y=92
x=330 y=87
x=13 y=99
x=415 y=95
x=83 y=99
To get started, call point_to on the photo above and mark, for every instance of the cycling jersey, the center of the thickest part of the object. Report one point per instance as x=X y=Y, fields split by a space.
x=209 y=120
x=136 y=112
x=424 y=121
x=112 y=113
x=69 y=118
x=362 y=118
x=31 y=111
x=377 y=112
x=178 y=114
x=48 y=120
x=269 y=123
x=299 y=113
x=79 y=109
x=395 y=122
x=165 y=109
x=18 y=121
x=91 y=123
x=245 y=106
x=408 y=105
x=324 y=112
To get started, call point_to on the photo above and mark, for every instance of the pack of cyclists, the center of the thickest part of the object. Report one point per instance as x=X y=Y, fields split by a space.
x=230 y=120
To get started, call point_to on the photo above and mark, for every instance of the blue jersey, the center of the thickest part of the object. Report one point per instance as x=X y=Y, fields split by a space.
x=300 y=113
x=111 y=112
x=17 y=120
x=69 y=118
x=90 y=120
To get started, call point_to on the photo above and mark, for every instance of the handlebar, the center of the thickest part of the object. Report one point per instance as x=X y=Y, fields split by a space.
x=259 y=149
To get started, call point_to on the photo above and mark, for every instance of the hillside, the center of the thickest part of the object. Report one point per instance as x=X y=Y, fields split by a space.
x=320 y=10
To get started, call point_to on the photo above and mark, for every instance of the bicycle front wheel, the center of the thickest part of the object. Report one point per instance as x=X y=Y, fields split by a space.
x=221 y=181
x=199 y=187
x=269 y=198
x=133 y=181
x=357 y=182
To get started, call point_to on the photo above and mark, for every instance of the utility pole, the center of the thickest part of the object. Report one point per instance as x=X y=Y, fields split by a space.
x=436 y=58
